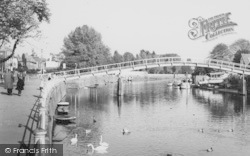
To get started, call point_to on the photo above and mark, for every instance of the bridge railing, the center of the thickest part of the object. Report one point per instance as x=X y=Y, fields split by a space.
x=152 y=61
x=228 y=64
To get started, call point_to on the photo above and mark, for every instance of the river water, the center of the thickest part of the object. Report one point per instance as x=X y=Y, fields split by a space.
x=162 y=120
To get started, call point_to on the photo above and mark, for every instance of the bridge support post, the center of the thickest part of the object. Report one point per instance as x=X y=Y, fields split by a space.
x=119 y=87
x=40 y=136
x=243 y=86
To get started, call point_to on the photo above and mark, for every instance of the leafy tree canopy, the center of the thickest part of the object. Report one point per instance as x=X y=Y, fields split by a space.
x=128 y=56
x=221 y=52
x=240 y=45
x=117 y=58
x=237 y=55
x=84 y=46
x=145 y=54
x=19 y=19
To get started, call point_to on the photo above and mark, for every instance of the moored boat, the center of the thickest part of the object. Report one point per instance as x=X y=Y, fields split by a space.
x=185 y=85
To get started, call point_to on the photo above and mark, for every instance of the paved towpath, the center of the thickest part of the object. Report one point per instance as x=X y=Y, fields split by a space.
x=18 y=114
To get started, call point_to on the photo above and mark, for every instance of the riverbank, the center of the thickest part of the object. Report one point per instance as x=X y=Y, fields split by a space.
x=18 y=114
x=224 y=90
x=220 y=89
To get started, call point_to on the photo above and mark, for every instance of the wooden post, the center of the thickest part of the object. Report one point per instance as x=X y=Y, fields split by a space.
x=119 y=104
x=119 y=87
x=243 y=86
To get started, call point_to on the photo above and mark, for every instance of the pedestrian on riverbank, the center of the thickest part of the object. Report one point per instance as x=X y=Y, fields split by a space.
x=24 y=75
x=15 y=72
x=20 y=82
x=8 y=81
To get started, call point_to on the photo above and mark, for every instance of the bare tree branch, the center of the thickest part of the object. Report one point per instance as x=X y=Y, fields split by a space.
x=12 y=53
x=2 y=44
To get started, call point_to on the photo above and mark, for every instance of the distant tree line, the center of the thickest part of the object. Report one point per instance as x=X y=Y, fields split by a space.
x=83 y=47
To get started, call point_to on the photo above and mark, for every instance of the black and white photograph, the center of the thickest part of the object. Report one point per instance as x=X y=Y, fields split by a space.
x=124 y=78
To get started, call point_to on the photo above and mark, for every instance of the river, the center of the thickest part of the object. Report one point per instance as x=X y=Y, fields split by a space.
x=162 y=120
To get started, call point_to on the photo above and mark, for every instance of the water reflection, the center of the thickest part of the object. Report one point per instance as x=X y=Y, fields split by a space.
x=221 y=104
x=162 y=120
x=119 y=104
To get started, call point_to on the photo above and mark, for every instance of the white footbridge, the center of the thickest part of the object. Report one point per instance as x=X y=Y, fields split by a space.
x=152 y=63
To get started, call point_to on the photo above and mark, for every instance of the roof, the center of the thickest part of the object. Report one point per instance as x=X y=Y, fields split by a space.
x=245 y=58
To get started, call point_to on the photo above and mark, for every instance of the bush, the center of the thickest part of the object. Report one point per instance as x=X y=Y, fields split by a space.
x=32 y=71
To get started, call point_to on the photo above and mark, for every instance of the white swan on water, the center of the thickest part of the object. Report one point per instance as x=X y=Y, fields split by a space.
x=210 y=149
x=99 y=149
x=94 y=120
x=74 y=140
x=103 y=143
x=125 y=131
x=87 y=131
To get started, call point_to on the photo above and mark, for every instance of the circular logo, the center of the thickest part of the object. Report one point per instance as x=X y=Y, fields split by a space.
x=7 y=150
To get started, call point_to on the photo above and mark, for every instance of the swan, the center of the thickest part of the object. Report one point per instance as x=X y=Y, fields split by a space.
x=230 y=130
x=99 y=149
x=201 y=130
x=74 y=140
x=125 y=131
x=103 y=143
x=210 y=149
x=87 y=131
x=94 y=120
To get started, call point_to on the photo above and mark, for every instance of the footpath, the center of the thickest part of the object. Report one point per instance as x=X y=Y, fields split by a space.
x=18 y=114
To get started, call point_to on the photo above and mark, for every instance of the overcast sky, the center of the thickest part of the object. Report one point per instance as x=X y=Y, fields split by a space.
x=132 y=25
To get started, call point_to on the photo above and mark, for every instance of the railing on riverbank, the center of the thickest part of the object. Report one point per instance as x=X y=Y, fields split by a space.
x=52 y=91
x=154 y=62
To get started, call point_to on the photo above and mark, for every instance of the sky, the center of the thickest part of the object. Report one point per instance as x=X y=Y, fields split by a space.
x=132 y=25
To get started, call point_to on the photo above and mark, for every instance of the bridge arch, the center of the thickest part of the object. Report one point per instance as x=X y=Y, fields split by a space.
x=157 y=62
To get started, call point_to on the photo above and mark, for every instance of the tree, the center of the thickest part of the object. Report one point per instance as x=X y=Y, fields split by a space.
x=20 y=19
x=128 y=56
x=167 y=70
x=221 y=52
x=202 y=71
x=117 y=58
x=84 y=46
x=174 y=69
x=142 y=54
x=237 y=55
x=154 y=54
x=170 y=55
x=186 y=69
x=239 y=47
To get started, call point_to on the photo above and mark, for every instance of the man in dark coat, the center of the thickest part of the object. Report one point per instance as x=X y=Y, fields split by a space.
x=20 y=82
x=8 y=81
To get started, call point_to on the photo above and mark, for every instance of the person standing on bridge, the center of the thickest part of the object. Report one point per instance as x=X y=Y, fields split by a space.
x=8 y=81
